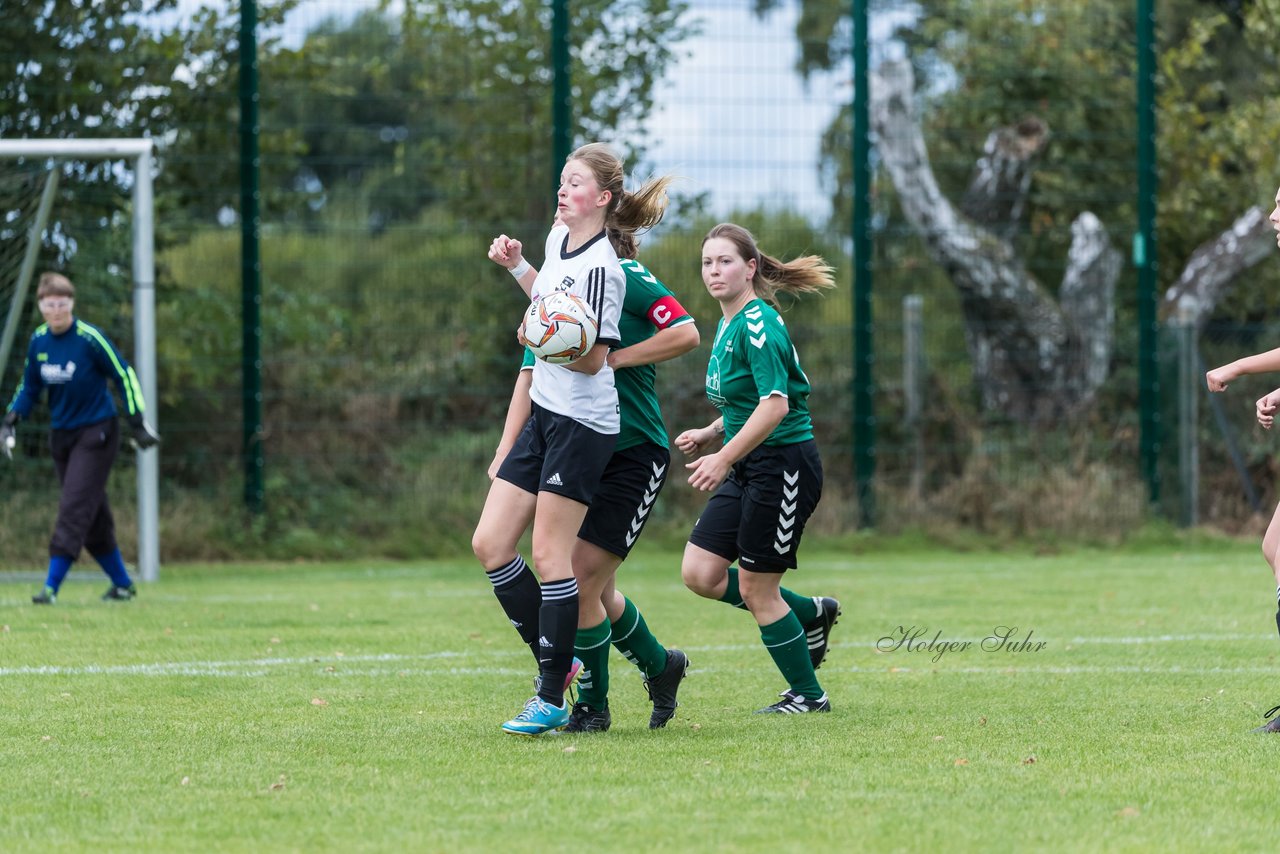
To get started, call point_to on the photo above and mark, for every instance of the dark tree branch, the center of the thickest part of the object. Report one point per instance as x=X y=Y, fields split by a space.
x=1001 y=179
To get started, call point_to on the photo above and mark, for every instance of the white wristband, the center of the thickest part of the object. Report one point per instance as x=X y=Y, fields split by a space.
x=520 y=269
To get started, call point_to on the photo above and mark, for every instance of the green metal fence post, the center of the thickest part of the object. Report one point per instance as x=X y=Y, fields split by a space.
x=561 y=114
x=250 y=259
x=1144 y=250
x=864 y=419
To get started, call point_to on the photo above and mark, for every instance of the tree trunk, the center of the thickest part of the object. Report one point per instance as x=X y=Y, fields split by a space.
x=1034 y=358
x=1214 y=266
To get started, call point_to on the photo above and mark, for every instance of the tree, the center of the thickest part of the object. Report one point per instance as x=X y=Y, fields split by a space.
x=1034 y=358
x=989 y=64
x=449 y=102
x=130 y=68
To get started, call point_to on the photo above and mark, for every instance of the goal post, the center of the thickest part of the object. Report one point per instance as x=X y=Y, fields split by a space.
x=139 y=154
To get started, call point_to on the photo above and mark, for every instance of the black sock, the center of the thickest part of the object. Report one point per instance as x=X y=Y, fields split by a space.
x=520 y=597
x=557 y=627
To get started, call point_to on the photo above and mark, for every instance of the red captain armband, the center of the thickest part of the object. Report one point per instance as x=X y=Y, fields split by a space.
x=666 y=311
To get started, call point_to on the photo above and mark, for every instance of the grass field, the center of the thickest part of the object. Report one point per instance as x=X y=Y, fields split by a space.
x=355 y=707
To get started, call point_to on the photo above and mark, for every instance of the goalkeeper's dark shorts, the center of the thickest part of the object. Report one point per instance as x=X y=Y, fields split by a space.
x=622 y=505
x=82 y=457
x=554 y=453
x=758 y=514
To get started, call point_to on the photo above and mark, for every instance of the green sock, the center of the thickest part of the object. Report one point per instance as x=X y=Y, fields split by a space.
x=632 y=638
x=592 y=646
x=731 y=595
x=803 y=606
x=789 y=647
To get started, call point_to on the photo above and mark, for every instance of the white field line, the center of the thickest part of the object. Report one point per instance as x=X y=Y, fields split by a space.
x=258 y=669
x=405 y=665
x=1059 y=643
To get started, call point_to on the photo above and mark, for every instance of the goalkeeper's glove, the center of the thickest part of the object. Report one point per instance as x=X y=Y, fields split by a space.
x=144 y=435
x=9 y=433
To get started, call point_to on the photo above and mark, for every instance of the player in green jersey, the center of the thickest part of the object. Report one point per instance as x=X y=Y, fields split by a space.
x=767 y=475
x=653 y=328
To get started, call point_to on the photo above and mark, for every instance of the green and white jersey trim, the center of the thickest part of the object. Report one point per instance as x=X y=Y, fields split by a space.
x=752 y=358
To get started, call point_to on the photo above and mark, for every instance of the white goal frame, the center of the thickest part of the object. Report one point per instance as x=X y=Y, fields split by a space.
x=140 y=154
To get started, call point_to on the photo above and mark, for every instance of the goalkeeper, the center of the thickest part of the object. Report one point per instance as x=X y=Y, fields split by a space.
x=73 y=360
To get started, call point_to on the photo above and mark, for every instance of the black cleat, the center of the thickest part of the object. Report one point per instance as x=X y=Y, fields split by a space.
x=46 y=596
x=121 y=594
x=818 y=631
x=795 y=704
x=1273 y=722
x=583 y=718
x=663 y=687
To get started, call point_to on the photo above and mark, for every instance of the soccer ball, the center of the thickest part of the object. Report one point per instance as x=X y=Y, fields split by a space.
x=560 y=327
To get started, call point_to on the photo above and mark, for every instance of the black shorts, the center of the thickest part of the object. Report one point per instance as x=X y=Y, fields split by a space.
x=758 y=514
x=627 y=492
x=554 y=453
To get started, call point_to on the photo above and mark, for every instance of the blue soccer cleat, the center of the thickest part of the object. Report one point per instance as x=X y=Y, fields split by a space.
x=538 y=717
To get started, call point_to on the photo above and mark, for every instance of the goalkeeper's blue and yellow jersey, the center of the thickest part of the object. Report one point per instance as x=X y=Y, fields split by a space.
x=74 y=367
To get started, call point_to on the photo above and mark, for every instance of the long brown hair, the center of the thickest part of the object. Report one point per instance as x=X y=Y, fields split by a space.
x=804 y=275
x=628 y=213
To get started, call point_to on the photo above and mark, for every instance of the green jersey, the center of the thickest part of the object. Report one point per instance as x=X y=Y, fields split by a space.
x=647 y=307
x=753 y=358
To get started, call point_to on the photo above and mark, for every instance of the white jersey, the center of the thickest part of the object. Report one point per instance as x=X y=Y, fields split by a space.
x=593 y=273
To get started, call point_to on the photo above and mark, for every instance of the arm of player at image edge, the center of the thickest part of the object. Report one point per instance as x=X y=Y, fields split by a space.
x=518 y=412
x=1266 y=409
x=1260 y=363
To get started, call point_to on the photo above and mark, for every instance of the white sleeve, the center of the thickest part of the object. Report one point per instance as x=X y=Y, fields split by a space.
x=610 y=312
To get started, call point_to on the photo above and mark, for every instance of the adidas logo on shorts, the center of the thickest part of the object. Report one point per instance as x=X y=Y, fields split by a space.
x=555 y=480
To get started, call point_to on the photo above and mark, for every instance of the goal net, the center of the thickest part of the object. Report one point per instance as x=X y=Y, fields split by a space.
x=33 y=231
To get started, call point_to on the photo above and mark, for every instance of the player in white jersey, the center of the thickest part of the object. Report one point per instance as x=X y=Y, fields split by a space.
x=554 y=468
x=590 y=271
x=654 y=327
